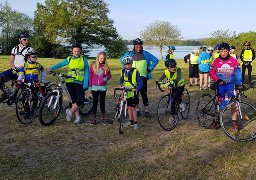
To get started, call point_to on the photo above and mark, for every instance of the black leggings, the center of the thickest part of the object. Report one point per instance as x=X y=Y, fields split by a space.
x=95 y=99
x=176 y=95
x=249 y=67
x=143 y=93
x=76 y=92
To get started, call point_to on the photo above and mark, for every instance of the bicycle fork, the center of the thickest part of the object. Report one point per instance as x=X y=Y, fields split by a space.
x=56 y=101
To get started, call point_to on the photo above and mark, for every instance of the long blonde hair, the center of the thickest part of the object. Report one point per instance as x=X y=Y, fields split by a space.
x=96 y=64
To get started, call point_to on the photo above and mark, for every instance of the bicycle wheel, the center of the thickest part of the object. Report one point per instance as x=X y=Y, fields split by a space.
x=121 y=119
x=26 y=105
x=184 y=111
x=245 y=119
x=86 y=108
x=50 y=109
x=167 y=121
x=206 y=111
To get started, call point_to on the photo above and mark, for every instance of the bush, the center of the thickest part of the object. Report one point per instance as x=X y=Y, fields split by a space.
x=116 y=48
x=60 y=51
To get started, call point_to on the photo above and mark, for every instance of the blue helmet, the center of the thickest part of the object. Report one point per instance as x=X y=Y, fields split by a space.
x=216 y=46
x=171 y=47
x=170 y=63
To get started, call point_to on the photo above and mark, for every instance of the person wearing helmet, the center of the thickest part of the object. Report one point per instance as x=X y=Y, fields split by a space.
x=192 y=58
x=16 y=59
x=226 y=72
x=78 y=68
x=130 y=78
x=145 y=63
x=204 y=61
x=173 y=74
x=169 y=53
x=232 y=52
x=216 y=51
x=247 y=56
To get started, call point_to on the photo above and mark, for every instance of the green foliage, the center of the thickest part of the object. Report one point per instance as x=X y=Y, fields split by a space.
x=42 y=46
x=161 y=33
x=60 y=51
x=190 y=43
x=116 y=48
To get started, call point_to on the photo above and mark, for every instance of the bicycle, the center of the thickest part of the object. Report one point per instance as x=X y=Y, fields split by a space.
x=121 y=107
x=209 y=112
x=28 y=100
x=166 y=120
x=52 y=103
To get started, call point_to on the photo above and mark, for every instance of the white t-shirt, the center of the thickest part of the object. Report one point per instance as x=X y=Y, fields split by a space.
x=19 y=55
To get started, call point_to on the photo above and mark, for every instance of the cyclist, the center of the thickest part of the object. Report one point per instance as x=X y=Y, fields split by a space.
x=169 y=53
x=174 y=76
x=144 y=62
x=16 y=59
x=193 y=66
x=216 y=51
x=225 y=71
x=247 y=56
x=204 y=61
x=79 y=69
x=131 y=78
x=232 y=52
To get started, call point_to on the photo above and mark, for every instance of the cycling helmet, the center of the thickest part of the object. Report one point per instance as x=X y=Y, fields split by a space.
x=170 y=63
x=137 y=41
x=224 y=45
x=32 y=52
x=209 y=48
x=216 y=47
x=196 y=50
x=23 y=34
x=247 y=43
x=203 y=47
x=171 y=47
x=76 y=45
x=232 y=47
x=127 y=60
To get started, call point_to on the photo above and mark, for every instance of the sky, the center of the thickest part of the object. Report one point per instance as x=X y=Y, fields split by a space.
x=195 y=18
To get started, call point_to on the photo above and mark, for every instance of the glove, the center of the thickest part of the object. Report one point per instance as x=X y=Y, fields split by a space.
x=15 y=70
x=239 y=87
x=219 y=81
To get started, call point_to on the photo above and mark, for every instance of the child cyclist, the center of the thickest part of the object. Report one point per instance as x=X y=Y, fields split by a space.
x=130 y=78
x=174 y=76
x=225 y=71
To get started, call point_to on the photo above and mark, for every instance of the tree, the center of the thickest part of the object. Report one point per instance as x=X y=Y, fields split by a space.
x=83 y=21
x=161 y=33
x=116 y=48
x=11 y=23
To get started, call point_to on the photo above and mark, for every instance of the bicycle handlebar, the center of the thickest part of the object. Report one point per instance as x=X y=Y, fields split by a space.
x=125 y=89
x=60 y=75
x=159 y=85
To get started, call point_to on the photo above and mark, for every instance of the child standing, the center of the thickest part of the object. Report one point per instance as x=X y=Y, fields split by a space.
x=131 y=78
x=99 y=74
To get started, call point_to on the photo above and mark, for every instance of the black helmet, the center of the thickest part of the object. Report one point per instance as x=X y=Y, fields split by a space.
x=23 y=34
x=203 y=48
x=127 y=60
x=170 y=63
x=232 y=47
x=137 y=41
x=247 y=43
x=224 y=45
x=76 y=45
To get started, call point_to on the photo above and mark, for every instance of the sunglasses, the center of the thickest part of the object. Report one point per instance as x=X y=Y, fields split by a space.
x=33 y=56
x=25 y=39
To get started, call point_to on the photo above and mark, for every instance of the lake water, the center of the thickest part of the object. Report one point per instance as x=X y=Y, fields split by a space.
x=179 y=53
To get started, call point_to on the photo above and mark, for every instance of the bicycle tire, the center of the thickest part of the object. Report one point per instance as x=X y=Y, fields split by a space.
x=206 y=111
x=186 y=100
x=247 y=124
x=26 y=106
x=48 y=115
x=86 y=108
x=121 y=119
x=167 y=121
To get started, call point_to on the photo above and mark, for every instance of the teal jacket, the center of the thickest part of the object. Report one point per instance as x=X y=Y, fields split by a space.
x=152 y=61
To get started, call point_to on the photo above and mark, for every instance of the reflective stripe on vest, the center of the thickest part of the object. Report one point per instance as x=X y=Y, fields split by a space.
x=233 y=55
x=141 y=66
x=193 y=59
x=247 y=55
x=130 y=82
x=216 y=55
x=76 y=69
x=206 y=61
x=171 y=56
x=174 y=77
x=32 y=69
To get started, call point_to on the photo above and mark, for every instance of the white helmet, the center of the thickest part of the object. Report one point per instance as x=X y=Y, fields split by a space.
x=210 y=48
x=127 y=60
x=196 y=50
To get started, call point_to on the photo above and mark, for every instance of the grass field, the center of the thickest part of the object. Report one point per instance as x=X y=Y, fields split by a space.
x=68 y=151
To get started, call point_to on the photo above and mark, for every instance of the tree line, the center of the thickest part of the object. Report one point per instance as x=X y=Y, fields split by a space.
x=58 y=22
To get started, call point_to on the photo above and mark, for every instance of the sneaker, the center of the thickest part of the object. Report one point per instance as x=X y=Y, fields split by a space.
x=138 y=113
x=93 y=122
x=235 y=125
x=190 y=85
x=200 y=88
x=104 y=121
x=68 y=115
x=129 y=123
x=78 y=119
x=136 y=126
x=182 y=106
x=147 y=114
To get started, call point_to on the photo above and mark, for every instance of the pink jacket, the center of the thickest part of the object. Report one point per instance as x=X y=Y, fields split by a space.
x=98 y=81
